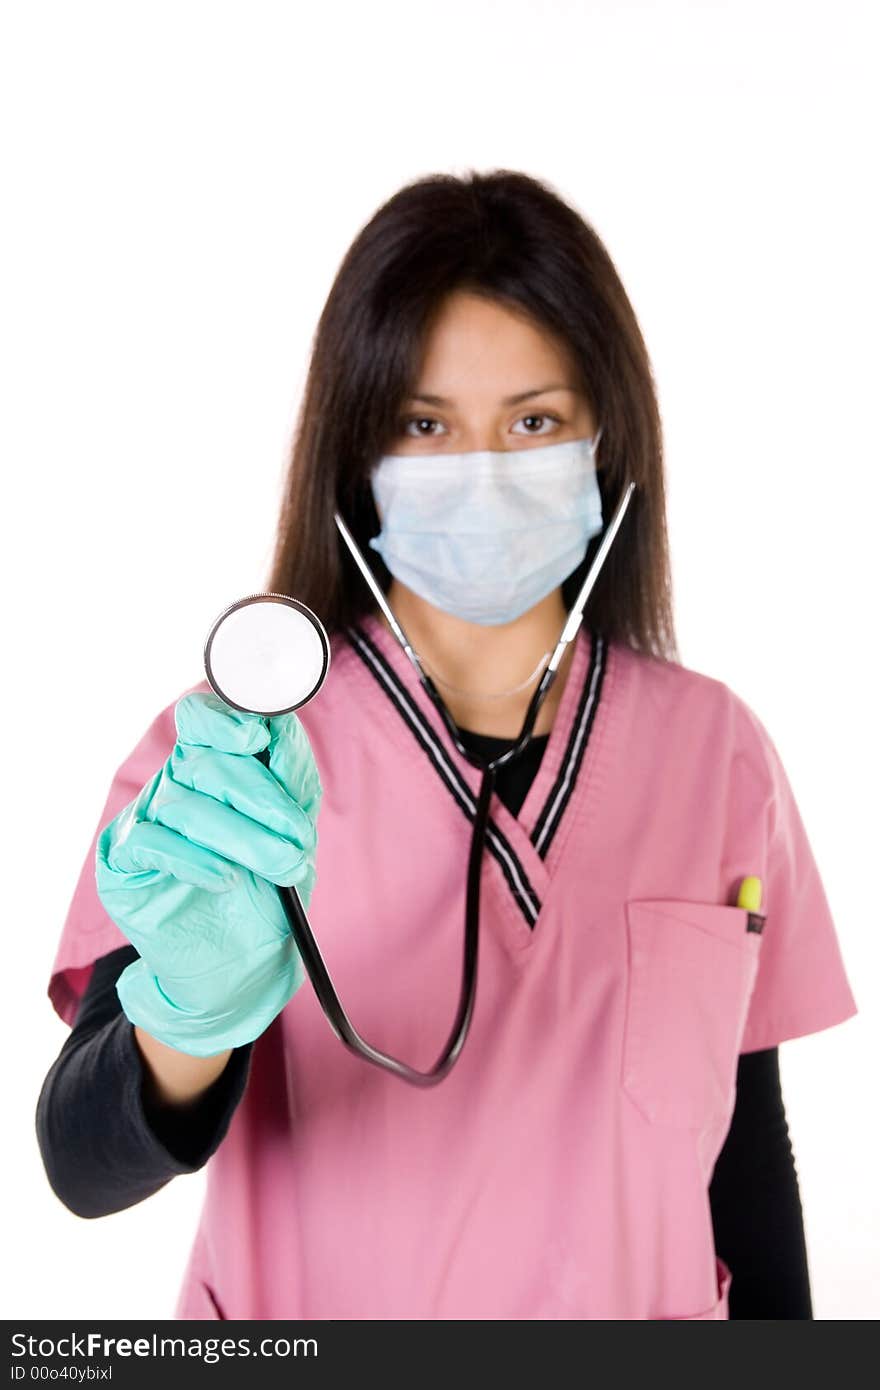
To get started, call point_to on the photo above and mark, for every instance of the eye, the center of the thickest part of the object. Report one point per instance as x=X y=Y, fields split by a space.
x=418 y=421
x=544 y=418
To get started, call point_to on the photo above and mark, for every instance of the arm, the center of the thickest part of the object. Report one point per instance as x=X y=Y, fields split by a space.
x=115 y=1122
x=174 y=1079
x=756 y=1209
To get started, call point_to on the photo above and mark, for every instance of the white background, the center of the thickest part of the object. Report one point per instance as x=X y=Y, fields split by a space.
x=180 y=182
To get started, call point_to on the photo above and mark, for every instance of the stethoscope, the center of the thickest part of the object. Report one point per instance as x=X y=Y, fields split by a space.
x=269 y=654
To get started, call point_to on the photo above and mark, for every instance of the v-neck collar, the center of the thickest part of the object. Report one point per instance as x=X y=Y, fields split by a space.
x=526 y=847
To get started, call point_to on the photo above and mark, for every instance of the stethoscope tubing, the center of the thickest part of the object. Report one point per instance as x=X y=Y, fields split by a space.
x=313 y=962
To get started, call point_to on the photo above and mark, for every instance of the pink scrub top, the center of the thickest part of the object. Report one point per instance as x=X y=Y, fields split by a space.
x=562 y=1169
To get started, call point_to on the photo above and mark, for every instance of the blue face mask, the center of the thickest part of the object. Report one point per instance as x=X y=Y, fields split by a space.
x=486 y=535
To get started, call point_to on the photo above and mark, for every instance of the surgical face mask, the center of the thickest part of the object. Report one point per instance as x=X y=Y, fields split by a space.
x=486 y=535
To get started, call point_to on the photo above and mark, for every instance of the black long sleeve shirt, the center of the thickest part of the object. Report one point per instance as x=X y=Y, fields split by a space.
x=105 y=1146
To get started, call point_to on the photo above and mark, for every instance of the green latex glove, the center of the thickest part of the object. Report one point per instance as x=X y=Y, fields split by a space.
x=187 y=872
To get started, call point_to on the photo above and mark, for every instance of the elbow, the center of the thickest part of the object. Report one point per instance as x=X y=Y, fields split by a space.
x=78 y=1203
x=83 y=1193
x=57 y=1166
x=70 y=1174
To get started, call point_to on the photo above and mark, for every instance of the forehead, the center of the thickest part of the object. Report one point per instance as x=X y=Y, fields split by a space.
x=478 y=346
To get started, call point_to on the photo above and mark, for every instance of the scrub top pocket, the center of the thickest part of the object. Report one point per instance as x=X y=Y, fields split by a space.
x=691 y=971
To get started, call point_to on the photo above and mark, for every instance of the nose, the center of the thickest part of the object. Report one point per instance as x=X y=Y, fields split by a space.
x=491 y=438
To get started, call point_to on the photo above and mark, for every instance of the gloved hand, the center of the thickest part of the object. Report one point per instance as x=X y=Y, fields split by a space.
x=188 y=869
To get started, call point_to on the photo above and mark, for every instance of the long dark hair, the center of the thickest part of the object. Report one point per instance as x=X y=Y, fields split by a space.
x=510 y=237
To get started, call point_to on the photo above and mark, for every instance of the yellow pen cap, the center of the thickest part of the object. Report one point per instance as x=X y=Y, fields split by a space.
x=750 y=894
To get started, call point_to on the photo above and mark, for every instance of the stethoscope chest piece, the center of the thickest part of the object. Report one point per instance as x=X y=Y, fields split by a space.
x=267 y=654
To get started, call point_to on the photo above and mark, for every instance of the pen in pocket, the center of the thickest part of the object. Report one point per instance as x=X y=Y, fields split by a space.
x=750 y=898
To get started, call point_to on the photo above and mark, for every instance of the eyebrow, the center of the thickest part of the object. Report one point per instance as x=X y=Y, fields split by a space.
x=508 y=400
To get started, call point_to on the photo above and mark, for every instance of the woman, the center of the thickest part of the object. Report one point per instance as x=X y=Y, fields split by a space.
x=479 y=397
